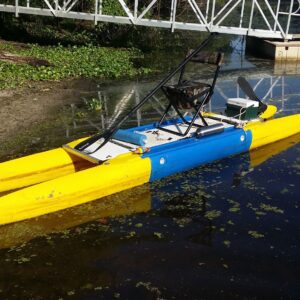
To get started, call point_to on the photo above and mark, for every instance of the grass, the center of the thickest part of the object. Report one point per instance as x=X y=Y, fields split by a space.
x=68 y=62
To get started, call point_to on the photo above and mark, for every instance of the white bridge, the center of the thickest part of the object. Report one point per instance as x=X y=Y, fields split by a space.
x=260 y=18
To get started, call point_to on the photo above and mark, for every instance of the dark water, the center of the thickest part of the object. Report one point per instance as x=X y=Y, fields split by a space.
x=227 y=230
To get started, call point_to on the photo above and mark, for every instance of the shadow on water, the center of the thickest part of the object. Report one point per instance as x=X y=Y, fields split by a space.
x=225 y=230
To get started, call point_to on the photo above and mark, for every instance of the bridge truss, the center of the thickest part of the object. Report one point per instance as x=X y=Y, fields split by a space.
x=260 y=18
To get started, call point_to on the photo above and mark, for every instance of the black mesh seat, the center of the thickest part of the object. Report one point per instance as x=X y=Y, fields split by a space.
x=186 y=94
x=191 y=95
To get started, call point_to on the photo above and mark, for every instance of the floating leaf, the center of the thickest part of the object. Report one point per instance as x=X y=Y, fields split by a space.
x=256 y=234
x=269 y=208
x=158 y=235
x=227 y=243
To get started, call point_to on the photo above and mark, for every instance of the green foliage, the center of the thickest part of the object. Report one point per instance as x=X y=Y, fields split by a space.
x=112 y=7
x=65 y=62
x=94 y=104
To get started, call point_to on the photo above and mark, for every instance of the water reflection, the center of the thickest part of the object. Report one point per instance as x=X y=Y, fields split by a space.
x=281 y=91
x=185 y=206
x=125 y=203
x=208 y=230
x=229 y=229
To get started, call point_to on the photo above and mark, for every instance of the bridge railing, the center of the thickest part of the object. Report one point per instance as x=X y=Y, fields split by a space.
x=261 y=18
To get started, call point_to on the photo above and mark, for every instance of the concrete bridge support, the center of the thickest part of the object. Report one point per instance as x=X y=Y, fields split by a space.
x=274 y=49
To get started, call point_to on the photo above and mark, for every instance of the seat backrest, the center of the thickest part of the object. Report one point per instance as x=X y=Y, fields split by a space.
x=184 y=96
x=204 y=57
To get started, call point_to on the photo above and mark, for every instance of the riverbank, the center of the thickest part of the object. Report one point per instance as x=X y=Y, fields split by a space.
x=22 y=64
x=28 y=112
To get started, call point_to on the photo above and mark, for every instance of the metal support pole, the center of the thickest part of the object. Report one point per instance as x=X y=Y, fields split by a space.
x=171 y=14
x=271 y=88
x=17 y=8
x=202 y=19
x=277 y=14
x=263 y=15
x=136 y=6
x=289 y=18
x=242 y=13
x=275 y=18
x=174 y=15
x=100 y=10
x=138 y=112
x=145 y=11
x=251 y=15
x=207 y=9
x=213 y=13
x=96 y=11
x=271 y=83
x=237 y=2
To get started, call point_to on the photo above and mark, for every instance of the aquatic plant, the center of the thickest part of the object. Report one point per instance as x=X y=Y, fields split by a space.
x=68 y=62
x=255 y=234
x=93 y=104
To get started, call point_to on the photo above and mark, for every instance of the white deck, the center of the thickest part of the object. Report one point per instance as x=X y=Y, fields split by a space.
x=154 y=136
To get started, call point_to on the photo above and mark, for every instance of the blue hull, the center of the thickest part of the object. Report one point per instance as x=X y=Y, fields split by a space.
x=189 y=153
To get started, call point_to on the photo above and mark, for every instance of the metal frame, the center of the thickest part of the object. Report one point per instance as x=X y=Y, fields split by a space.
x=203 y=99
x=210 y=17
x=103 y=138
x=277 y=91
